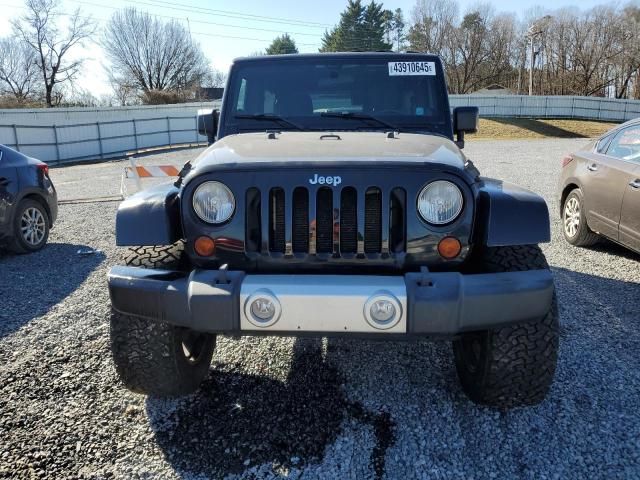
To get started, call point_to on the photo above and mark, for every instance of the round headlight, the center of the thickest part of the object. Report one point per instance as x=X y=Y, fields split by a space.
x=213 y=202
x=440 y=202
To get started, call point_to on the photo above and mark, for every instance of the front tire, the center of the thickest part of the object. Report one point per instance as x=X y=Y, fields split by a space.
x=511 y=366
x=154 y=357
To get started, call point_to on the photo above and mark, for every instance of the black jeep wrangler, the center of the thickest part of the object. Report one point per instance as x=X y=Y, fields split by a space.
x=335 y=200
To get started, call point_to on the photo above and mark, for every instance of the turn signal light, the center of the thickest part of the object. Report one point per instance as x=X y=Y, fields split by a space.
x=204 y=246
x=449 y=248
x=566 y=160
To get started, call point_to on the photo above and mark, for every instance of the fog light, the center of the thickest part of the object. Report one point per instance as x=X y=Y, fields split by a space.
x=262 y=309
x=382 y=310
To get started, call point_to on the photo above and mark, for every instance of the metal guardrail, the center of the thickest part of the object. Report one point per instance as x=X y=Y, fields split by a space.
x=52 y=135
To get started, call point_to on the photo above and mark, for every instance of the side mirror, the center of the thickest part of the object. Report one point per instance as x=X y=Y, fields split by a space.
x=208 y=124
x=465 y=120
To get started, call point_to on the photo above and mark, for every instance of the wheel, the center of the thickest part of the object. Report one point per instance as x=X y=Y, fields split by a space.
x=30 y=227
x=514 y=365
x=154 y=357
x=574 y=222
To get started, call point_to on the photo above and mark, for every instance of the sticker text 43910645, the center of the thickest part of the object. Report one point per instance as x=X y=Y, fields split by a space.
x=412 y=68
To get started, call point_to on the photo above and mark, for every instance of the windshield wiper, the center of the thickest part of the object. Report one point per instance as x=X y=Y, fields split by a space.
x=267 y=116
x=359 y=116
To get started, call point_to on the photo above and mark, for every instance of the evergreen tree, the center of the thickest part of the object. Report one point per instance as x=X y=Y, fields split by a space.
x=282 y=45
x=361 y=29
x=398 y=36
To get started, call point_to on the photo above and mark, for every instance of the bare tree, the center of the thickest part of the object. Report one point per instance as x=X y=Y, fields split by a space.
x=591 y=52
x=433 y=21
x=214 y=78
x=154 y=55
x=18 y=69
x=52 y=44
x=125 y=92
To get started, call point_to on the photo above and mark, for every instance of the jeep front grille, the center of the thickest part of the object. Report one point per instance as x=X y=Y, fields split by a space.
x=329 y=221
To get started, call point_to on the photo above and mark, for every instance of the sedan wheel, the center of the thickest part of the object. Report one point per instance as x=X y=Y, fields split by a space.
x=571 y=217
x=30 y=227
x=33 y=226
x=574 y=222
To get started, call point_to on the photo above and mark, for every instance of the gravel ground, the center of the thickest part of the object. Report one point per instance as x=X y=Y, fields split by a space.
x=275 y=407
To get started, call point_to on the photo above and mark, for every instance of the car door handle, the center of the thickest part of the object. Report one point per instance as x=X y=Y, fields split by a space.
x=635 y=183
x=593 y=167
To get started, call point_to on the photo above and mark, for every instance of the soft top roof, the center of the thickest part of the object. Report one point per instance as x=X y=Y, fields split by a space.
x=340 y=55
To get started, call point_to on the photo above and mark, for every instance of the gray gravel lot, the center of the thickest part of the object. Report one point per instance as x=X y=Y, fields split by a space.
x=275 y=407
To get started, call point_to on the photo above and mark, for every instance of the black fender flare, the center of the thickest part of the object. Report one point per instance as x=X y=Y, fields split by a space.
x=150 y=217
x=510 y=215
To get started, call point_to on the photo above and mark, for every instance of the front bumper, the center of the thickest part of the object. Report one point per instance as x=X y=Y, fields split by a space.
x=429 y=303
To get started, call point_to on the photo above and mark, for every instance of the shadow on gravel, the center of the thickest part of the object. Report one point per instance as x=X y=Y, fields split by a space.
x=607 y=246
x=539 y=127
x=31 y=284
x=247 y=420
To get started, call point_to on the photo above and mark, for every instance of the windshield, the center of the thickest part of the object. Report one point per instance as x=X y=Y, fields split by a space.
x=338 y=94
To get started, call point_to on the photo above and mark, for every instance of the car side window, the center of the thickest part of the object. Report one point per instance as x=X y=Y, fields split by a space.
x=603 y=143
x=626 y=144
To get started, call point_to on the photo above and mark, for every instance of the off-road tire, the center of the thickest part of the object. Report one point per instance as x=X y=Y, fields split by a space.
x=149 y=355
x=17 y=244
x=167 y=257
x=150 y=359
x=511 y=366
x=584 y=236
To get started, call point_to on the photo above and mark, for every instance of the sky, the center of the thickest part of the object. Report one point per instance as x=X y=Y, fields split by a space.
x=228 y=29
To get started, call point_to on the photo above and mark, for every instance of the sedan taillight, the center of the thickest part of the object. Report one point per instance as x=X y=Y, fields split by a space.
x=566 y=160
x=43 y=167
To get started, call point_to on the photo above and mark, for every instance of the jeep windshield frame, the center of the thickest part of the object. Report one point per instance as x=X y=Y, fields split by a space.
x=358 y=91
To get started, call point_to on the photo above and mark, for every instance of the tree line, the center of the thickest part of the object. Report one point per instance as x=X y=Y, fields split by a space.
x=573 y=52
x=554 y=52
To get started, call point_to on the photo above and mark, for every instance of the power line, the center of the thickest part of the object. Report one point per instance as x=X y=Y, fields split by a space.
x=234 y=37
x=212 y=12
x=243 y=15
x=354 y=45
x=83 y=2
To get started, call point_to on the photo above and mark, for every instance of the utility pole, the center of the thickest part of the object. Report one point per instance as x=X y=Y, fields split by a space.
x=531 y=63
x=535 y=29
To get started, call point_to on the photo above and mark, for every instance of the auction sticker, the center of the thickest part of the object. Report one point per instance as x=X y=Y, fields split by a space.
x=412 y=68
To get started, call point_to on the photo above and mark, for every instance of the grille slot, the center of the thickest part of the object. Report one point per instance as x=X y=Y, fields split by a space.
x=253 y=234
x=373 y=220
x=349 y=220
x=276 y=220
x=397 y=220
x=324 y=221
x=300 y=220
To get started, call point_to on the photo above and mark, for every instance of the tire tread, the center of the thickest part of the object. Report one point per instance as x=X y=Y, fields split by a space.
x=520 y=359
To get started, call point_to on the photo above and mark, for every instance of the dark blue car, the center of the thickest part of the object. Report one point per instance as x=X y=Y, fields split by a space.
x=28 y=202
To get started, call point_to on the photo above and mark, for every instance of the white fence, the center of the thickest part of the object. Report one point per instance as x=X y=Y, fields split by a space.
x=76 y=134
x=584 y=108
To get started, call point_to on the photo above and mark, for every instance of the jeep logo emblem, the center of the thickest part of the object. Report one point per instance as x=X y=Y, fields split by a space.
x=328 y=180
